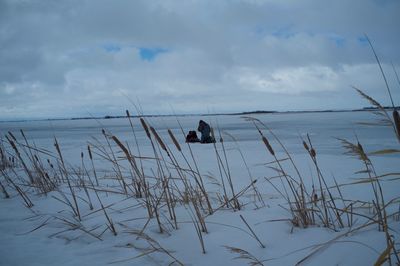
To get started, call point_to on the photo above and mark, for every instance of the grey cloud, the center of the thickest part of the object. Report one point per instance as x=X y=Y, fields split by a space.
x=223 y=55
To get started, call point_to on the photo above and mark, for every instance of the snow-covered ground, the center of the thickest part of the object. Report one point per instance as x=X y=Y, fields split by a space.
x=49 y=233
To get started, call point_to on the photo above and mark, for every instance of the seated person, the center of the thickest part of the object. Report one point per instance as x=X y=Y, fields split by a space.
x=192 y=137
x=205 y=130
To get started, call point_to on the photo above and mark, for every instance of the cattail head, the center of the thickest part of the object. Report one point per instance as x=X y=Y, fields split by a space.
x=159 y=140
x=127 y=113
x=145 y=127
x=315 y=199
x=171 y=135
x=90 y=152
x=396 y=119
x=81 y=155
x=306 y=146
x=12 y=144
x=266 y=142
x=103 y=131
x=313 y=153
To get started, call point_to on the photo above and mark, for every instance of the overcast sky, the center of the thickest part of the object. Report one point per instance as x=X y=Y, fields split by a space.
x=80 y=57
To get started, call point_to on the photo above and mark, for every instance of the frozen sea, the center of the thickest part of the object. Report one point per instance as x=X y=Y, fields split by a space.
x=323 y=127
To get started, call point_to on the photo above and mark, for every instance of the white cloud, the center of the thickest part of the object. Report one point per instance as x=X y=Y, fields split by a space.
x=291 y=81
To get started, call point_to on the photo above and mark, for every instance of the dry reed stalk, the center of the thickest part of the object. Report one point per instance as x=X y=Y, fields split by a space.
x=256 y=192
x=3 y=189
x=110 y=224
x=299 y=211
x=138 y=178
x=163 y=176
x=42 y=181
x=245 y=255
x=223 y=167
x=396 y=117
x=321 y=180
x=12 y=143
x=188 y=188
x=155 y=203
x=196 y=174
x=238 y=195
x=220 y=167
x=251 y=230
x=117 y=168
x=236 y=202
x=281 y=170
x=155 y=247
x=193 y=196
x=143 y=184
x=83 y=183
x=379 y=202
x=76 y=206
x=380 y=67
x=223 y=171
x=198 y=228
x=280 y=144
x=24 y=196
x=91 y=160
x=343 y=202
x=3 y=158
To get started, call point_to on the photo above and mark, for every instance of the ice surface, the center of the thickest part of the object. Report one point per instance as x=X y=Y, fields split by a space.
x=285 y=245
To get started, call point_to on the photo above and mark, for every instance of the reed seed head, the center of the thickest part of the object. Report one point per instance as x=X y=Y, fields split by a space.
x=396 y=118
x=362 y=153
x=266 y=142
x=90 y=152
x=145 y=127
x=174 y=140
x=313 y=153
x=159 y=140
x=306 y=146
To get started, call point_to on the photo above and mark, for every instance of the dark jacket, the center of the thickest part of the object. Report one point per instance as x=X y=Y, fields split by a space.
x=205 y=130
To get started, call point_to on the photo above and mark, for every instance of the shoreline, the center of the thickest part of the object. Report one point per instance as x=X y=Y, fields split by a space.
x=365 y=109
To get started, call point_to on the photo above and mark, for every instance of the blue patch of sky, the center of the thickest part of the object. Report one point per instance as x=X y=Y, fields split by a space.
x=149 y=54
